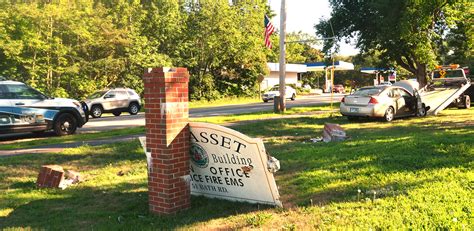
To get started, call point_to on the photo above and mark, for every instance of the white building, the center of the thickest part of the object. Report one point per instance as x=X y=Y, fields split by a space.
x=292 y=72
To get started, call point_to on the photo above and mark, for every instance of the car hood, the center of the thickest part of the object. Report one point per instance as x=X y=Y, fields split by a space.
x=272 y=93
x=57 y=102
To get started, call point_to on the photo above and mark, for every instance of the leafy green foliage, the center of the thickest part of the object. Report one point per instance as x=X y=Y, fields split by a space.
x=403 y=31
x=72 y=49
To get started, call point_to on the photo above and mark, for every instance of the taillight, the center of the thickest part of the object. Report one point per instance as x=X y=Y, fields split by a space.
x=342 y=100
x=373 y=101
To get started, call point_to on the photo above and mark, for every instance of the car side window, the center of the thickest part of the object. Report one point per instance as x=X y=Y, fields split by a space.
x=403 y=93
x=3 y=93
x=110 y=94
x=22 y=92
x=121 y=94
x=390 y=93
x=395 y=93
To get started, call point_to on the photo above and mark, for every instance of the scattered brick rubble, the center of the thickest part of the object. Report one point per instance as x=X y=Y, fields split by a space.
x=333 y=132
x=54 y=176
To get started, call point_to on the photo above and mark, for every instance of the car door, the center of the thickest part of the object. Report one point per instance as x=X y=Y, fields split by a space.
x=122 y=99
x=23 y=96
x=110 y=101
x=27 y=106
x=397 y=101
x=400 y=102
x=6 y=119
x=410 y=102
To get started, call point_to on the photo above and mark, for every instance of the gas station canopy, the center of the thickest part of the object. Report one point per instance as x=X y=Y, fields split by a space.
x=371 y=70
x=338 y=66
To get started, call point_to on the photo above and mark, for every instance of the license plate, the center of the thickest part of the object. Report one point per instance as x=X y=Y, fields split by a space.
x=354 y=109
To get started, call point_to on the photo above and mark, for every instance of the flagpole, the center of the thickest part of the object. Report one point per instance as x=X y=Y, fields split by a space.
x=282 y=107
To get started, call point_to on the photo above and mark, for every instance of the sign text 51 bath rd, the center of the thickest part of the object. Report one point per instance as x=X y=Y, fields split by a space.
x=229 y=165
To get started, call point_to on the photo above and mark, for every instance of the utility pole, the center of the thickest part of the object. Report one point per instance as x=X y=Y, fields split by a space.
x=282 y=56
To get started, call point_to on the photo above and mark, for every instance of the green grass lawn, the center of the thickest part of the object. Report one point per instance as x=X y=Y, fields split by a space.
x=224 y=102
x=414 y=173
x=74 y=138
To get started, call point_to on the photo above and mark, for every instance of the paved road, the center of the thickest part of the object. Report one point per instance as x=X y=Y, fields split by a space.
x=111 y=122
x=126 y=121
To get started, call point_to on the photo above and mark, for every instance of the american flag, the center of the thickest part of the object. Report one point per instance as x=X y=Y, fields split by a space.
x=269 y=29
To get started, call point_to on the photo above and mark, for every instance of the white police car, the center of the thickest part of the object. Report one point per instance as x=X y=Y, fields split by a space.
x=24 y=109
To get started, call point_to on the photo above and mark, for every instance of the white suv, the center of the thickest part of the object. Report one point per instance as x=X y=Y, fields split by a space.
x=290 y=93
x=24 y=109
x=115 y=100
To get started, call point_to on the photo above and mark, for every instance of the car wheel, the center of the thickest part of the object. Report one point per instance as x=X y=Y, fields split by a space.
x=65 y=124
x=389 y=114
x=117 y=113
x=96 y=111
x=421 y=111
x=466 y=102
x=265 y=100
x=133 y=109
x=293 y=97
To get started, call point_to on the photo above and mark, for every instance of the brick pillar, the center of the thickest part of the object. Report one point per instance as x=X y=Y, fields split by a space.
x=167 y=138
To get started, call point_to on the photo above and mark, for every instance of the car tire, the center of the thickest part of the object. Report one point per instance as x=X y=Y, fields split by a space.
x=293 y=97
x=133 y=109
x=466 y=102
x=265 y=100
x=117 y=113
x=421 y=111
x=65 y=124
x=389 y=114
x=96 y=111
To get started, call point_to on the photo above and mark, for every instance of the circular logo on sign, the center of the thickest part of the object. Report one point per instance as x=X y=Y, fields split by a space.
x=199 y=156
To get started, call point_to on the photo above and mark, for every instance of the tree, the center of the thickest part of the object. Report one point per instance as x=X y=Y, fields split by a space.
x=403 y=31
x=222 y=47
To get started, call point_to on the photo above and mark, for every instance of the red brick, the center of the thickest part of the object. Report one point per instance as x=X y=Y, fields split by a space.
x=167 y=138
x=50 y=176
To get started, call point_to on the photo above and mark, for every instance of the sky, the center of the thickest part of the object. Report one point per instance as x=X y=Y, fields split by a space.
x=302 y=15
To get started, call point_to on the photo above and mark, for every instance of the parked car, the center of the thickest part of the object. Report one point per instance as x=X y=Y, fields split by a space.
x=290 y=93
x=115 y=100
x=386 y=84
x=24 y=109
x=387 y=102
x=338 y=88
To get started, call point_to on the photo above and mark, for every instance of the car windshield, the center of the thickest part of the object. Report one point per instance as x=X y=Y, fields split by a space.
x=97 y=94
x=448 y=74
x=275 y=89
x=368 y=91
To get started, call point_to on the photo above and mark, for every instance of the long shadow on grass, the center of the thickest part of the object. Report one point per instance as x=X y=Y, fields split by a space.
x=125 y=206
x=109 y=206
x=331 y=172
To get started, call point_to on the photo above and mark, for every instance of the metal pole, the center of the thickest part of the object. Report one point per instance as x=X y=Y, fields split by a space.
x=282 y=55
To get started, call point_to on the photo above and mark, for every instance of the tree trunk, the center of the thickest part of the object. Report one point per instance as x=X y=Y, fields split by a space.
x=421 y=75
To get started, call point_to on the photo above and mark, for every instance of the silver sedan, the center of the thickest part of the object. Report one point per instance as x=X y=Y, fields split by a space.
x=387 y=102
